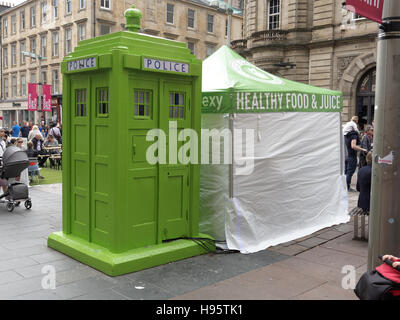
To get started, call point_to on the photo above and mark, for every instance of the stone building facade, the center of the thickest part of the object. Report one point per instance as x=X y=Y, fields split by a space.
x=52 y=28
x=315 y=42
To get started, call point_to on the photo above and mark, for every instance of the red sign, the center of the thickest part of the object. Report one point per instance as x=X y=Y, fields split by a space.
x=370 y=9
x=32 y=97
x=46 y=97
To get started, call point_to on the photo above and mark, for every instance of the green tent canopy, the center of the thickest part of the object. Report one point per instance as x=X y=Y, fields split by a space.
x=231 y=84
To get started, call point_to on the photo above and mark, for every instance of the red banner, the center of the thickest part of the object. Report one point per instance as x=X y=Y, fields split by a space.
x=370 y=9
x=32 y=97
x=46 y=97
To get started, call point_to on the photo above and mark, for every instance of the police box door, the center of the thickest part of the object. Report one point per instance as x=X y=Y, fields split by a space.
x=80 y=156
x=174 y=185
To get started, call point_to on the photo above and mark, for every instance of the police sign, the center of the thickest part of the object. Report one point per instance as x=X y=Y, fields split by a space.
x=164 y=65
x=82 y=64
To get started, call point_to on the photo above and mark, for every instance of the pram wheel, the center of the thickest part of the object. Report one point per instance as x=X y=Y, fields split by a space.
x=10 y=206
x=28 y=204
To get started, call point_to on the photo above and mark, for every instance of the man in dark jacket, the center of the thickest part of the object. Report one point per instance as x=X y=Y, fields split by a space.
x=364 y=184
x=366 y=143
x=352 y=139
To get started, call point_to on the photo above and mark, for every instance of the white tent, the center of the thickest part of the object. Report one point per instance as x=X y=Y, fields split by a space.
x=291 y=183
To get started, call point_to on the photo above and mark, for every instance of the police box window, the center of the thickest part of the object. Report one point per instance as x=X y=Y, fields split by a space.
x=142 y=104
x=102 y=102
x=80 y=102
x=176 y=105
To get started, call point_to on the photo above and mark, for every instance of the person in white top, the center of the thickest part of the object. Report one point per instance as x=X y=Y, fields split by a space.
x=34 y=132
x=351 y=126
x=3 y=145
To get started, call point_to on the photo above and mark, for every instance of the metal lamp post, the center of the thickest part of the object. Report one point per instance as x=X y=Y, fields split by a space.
x=221 y=6
x=39 y=59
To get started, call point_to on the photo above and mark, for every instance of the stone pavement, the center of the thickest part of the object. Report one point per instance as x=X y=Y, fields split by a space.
x=308 y=268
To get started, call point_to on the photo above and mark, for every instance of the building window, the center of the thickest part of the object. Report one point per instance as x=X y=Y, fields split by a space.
x=5 y=87
x=82 y=4
x=176 y=105
x=102 y=102
x=355 y=17
x=5 y=27
x=210 y=23
x=14 y=54
x=170 y=13
x=55 y=44
x=68 y=41
x=105 y=4
x=33 y=46
x=5 y=57
x=190 y=18
x=23 y=85
x=13 y=24
x=22 y=17
x=44 y=11
x=68 y=7
x=14 y=86
x=81 y=31
x=191 y=47
x=105 y=29
x=33 y=17
x=55 y=81
x=143 y=103
x=43 y=46
x=33 y=77
x=80 y=102
x=274 y=12
x=55 y=9
x=210 y=50
x=22 y=46
x=44 y=77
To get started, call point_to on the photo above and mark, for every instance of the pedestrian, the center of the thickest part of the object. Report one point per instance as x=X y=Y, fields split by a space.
x=367 y=144
x=352 y=125
x=364 y=184
x=37 y=142
x=33 y=168
x=56 y=132
x=15 y=130
x=25 y=130
x=34 y=132
x=352 y=140
x=3 y=182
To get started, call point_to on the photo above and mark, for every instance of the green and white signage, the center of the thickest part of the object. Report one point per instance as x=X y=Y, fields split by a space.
x=231 y=84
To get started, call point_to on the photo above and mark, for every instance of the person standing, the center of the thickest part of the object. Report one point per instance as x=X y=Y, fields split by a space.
x=25 y=130
x=15 y=130
x=352 y=140
x=3 y=145
x=364 y=184
x=366 y=143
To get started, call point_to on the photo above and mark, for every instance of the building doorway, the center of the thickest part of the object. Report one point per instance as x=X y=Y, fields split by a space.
x=365 y=108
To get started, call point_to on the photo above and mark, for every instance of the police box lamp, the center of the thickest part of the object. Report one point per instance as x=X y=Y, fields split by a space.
x=133 y=17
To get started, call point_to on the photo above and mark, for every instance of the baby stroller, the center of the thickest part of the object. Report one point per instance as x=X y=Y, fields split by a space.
x=383 y=283
x=14 y=161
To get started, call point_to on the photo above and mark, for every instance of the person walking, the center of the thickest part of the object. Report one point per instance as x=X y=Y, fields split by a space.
x=352 y=140
x=367 y=144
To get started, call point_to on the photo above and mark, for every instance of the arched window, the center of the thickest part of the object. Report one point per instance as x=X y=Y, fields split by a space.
x=366 y=98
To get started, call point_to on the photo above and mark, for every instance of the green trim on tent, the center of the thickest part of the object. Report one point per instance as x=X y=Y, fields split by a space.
x=231 y=84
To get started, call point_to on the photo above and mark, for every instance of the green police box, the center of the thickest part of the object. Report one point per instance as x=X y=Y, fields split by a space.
x=121 y=212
